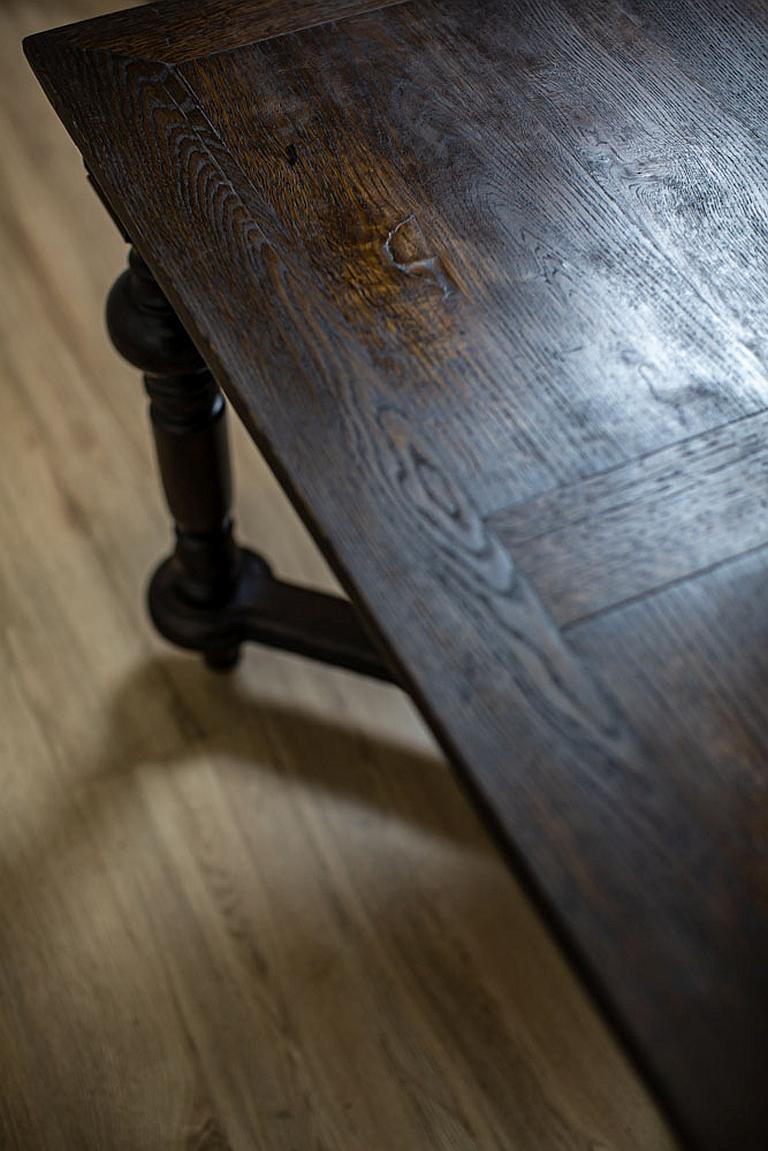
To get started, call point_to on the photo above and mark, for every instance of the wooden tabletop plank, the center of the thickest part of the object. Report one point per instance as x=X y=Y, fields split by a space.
x=659 y=519
x=689 y=667
x=398 y=245
x=719 y=46
x=648 y=130
x=175 y=30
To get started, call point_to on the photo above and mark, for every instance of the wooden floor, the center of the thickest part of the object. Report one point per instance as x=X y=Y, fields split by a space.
x=250 y=912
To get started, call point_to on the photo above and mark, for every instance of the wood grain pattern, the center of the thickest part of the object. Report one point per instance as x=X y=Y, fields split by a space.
x=629 y=531
x=658 y=145
x=251 y=915
x=721 y=49
x=420 y=254
x=174 y=31
x=689 y=668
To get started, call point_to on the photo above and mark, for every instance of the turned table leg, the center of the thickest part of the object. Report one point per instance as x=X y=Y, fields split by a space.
x=210 y=595
x=188 y=418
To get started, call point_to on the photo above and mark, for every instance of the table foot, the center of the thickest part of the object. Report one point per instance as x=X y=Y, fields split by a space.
x=261 y=609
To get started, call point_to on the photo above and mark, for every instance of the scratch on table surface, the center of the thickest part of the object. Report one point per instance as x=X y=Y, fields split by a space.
x=406 y=249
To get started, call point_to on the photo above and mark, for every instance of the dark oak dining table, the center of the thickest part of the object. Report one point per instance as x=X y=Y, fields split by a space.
x=488 y=285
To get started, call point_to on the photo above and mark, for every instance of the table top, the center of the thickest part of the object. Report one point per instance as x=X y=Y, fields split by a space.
x=487 y=284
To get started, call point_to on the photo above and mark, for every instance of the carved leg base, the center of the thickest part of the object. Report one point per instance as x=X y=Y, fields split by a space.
x=262 y=609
